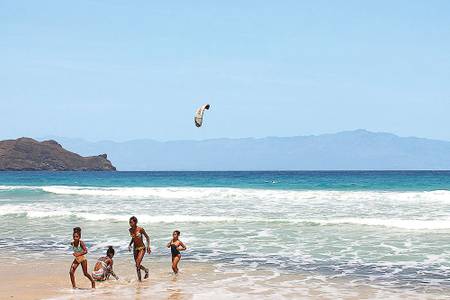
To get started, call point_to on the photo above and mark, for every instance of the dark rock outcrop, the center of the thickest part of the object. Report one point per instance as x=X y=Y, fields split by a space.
x=26 y=154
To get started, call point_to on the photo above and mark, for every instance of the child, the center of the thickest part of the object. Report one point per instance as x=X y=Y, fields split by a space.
x=104 y=266
x=79 y=251
x=137 y=233
x=176 y=246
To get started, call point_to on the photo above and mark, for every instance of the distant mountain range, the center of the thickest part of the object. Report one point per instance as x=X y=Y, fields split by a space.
x=348 y=150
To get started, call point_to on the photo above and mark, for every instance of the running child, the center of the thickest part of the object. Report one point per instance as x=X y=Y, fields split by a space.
x=137 y=233
x=176 y=246
x=79 y=252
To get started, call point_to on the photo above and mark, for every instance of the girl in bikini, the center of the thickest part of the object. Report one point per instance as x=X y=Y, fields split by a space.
x=104 y=266
x=79 y=251
x=139 y=248
x=176 y=246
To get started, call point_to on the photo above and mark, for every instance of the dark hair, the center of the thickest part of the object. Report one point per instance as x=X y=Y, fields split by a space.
x=134 y=219
x=177 y=232
x=77 y=230
x=110 y=251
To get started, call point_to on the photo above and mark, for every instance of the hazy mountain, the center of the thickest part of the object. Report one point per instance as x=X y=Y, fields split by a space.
x=359 y=149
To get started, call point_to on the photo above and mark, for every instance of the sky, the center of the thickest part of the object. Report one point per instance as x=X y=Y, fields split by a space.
x=122 y=70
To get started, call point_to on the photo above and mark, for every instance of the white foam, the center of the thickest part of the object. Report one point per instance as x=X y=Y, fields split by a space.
x=11 y=209
x=239 y=193
x=322 y=207
x=157 y=218
x=412 y=224
x=17 y=187
x=49 y=211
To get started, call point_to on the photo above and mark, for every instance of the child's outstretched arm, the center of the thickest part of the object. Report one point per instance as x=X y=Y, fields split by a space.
x=109 y=270
x=114 y=274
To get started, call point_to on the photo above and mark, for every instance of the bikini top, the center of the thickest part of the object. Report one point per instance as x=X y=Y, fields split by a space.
x=136 y=235
x=78 y=248
x=175 y=246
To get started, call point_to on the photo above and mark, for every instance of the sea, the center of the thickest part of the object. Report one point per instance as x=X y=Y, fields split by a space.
x=385 y=228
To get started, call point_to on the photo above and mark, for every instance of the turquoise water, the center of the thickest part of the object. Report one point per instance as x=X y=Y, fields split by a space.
x=387 y=228
x=295 y=180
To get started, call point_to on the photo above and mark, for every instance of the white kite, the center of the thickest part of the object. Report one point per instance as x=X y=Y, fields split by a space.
x=199 y=115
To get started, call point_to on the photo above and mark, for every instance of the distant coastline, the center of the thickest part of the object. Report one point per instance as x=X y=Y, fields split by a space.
x=26 y=154
x=358 y=150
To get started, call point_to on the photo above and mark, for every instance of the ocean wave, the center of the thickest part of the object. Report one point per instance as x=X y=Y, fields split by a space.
x=49 y=212
x=218 y=193
x=33 y=213
x=411 y=224
x=17 y=187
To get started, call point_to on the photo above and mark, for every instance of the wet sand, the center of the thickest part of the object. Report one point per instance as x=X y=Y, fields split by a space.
x=49 y=279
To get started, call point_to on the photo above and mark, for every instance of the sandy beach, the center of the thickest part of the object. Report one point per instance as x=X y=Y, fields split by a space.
x=48 y=279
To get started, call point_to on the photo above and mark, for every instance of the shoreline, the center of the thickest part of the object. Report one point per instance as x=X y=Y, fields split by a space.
x=31 y=279
x=243 y=243
x=28 y=279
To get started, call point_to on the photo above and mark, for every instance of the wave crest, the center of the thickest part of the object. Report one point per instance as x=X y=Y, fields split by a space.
x=409 y=224
x=218 y=193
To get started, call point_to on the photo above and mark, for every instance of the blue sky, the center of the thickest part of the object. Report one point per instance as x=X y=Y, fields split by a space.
x=123 y=70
